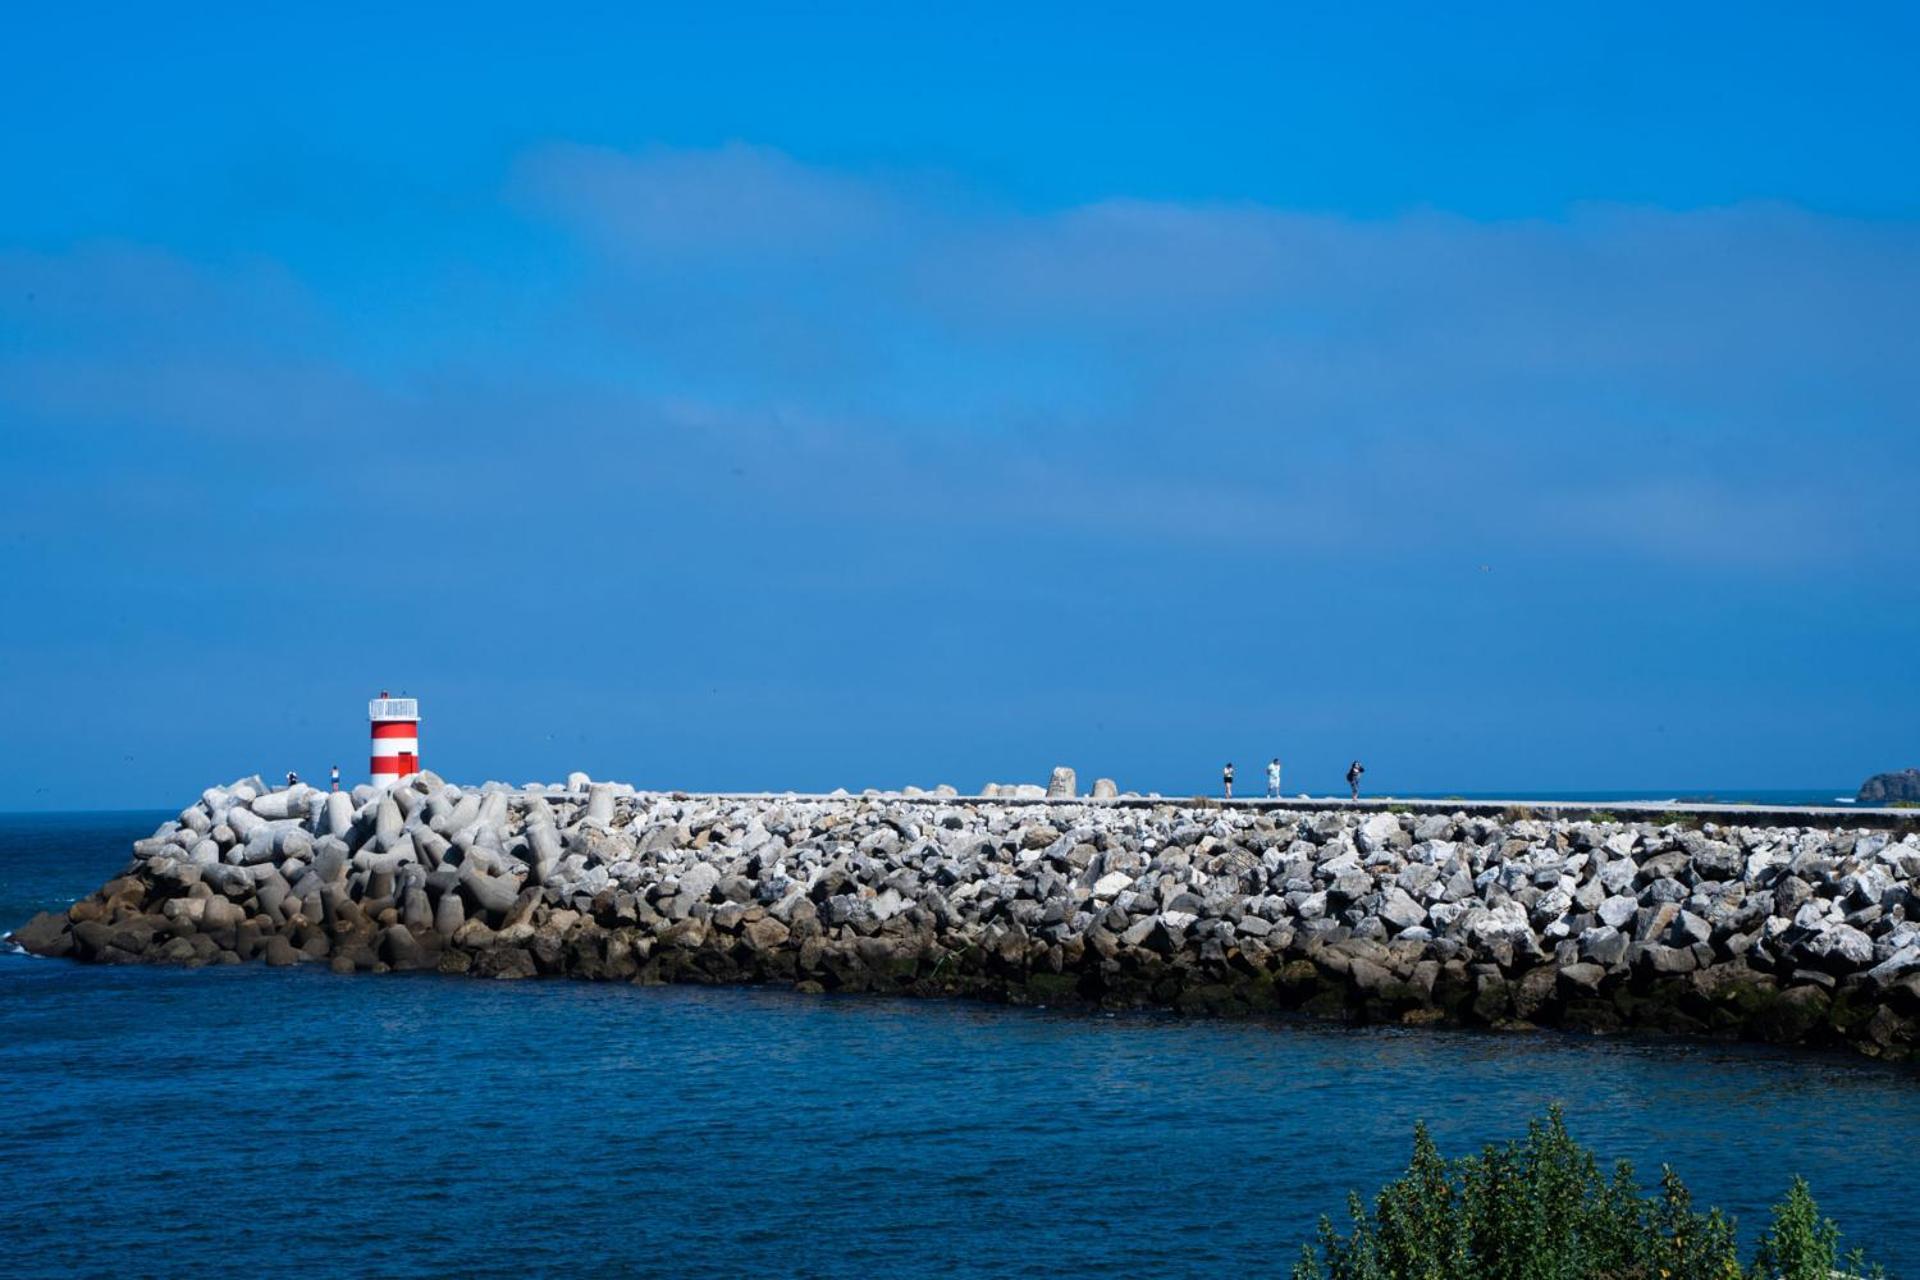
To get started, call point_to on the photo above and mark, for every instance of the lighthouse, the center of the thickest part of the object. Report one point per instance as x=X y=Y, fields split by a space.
x=396 y=738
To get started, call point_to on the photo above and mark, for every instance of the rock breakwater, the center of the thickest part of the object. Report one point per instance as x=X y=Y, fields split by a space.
x=1784 y=934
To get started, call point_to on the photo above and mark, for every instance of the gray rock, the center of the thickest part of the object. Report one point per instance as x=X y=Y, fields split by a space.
x=46 y=934
x=1582 y=978
x=339 y=815
x=449 y=914
x=415 y=912
x=599 y=805
x=1617 y=911
x=1603 y=945
x=1894 y=968
x=1381 y=832
x=1839 y=948
x=543 y=851
x=387 y=822
x=281 y=804
x=1687 y=929
x=488 y=895
x=1399 y=909
x=697 y=881
x=399 y=949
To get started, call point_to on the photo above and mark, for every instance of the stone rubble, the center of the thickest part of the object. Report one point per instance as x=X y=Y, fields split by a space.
x=1782 y=934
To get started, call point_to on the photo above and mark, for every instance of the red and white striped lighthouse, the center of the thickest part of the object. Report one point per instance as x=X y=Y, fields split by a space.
x=396 y=738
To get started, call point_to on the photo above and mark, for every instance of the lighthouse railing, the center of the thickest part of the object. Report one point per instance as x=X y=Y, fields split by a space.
x=393 y=709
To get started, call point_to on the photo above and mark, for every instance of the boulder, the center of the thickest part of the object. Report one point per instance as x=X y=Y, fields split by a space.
x=1618 y=911
x=488 y=895
x=338 y=819
x=1604 y=945
x=47 y=934
x=697 y=881
x=1398 y=909
x=1381 y=832
x=399 y=949
x=1505 y=921
x=1839 y=948
x=764 y=935
x=599 y=805
x=543 y=851
x=288 y=803
x=449 y=914
x=1582 y=979
x=387 y=823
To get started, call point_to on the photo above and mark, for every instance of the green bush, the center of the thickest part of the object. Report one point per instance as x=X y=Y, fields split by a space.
x=1540 y=1209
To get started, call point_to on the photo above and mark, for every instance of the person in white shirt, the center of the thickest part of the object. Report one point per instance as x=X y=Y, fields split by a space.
x=1273 y=778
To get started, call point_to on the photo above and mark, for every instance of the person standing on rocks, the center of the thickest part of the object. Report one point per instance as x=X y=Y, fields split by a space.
x=1354 y=771
x=293 y=779
x=1226 y=779
x=1273 y=778
x=336 y=777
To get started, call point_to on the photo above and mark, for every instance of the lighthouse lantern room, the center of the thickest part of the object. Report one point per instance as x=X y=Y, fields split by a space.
x=396 y=738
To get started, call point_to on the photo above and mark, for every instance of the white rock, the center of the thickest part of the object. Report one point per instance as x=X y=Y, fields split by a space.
x=1617 y=910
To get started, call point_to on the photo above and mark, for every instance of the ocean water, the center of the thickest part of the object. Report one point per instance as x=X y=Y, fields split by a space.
x=247 y=1121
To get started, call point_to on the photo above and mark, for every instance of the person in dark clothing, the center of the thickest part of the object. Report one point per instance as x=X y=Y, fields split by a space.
x=293 y=779
x=1354 y=771
x=1226 y=778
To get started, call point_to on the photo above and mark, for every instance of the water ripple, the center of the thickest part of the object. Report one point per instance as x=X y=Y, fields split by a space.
x=173 y=1121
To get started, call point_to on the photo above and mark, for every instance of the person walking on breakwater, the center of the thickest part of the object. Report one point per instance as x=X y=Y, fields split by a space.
x=1354 y=771
x=1273 y=778
x=1226 y=779
x=336 y=777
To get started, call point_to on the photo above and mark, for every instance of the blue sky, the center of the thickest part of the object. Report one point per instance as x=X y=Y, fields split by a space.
x=811 y=396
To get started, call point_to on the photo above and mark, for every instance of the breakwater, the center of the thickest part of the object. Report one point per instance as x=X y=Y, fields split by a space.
x=1790 y=934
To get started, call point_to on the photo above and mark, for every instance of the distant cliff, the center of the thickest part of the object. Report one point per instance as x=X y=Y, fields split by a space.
x=1890 y=788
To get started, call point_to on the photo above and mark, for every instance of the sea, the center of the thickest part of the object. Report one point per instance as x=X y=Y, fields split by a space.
x=254 y=1121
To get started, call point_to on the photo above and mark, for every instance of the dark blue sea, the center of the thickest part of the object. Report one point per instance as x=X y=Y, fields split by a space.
x=246 y=1121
